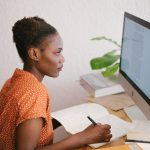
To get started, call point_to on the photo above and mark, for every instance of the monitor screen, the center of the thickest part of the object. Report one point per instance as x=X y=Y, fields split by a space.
x=135 y=54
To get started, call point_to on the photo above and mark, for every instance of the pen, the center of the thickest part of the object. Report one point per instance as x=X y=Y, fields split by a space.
x=94 y=123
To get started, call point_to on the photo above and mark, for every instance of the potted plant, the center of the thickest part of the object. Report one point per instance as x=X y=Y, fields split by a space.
x=109 y=62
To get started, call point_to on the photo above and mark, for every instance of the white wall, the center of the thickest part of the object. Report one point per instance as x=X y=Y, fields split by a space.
x=77 y=21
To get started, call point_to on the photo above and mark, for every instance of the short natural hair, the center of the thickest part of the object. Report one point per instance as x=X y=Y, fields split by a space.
x=29 y=32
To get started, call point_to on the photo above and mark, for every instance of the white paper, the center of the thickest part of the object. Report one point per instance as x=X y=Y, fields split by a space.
x=144 y=146
x=140 y=130
x=141 y=126
x=74 y=119
x=134 y=113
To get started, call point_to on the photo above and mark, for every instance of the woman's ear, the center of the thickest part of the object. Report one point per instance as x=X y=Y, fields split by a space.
x=34 y=53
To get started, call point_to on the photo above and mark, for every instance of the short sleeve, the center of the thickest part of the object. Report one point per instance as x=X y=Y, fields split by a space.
x=32 y=104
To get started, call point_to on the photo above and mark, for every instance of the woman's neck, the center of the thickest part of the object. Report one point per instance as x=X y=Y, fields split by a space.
x=34 y=71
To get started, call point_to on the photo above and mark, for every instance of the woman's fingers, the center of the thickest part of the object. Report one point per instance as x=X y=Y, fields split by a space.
x=106 y=126
x=107 y=131
x=108 y=137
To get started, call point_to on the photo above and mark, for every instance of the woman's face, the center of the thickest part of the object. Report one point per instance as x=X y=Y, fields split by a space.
x=51 y=59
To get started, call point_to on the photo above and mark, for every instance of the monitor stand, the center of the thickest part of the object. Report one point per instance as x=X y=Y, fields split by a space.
x=134 y=113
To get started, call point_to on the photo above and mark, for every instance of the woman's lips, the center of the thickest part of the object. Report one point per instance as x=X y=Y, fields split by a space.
x=60 y=68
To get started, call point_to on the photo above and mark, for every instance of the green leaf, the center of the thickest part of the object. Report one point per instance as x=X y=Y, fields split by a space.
x=110 y=71
x=104 y=61
x=107 y=39
x=111 y=53
x=99 y=38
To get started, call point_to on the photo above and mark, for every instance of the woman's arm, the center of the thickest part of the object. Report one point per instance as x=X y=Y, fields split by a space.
x=28 y=134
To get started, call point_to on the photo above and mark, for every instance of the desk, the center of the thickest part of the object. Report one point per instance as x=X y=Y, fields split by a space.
x=121 y=114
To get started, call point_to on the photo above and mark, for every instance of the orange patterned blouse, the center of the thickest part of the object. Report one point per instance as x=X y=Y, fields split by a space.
x=23 y=97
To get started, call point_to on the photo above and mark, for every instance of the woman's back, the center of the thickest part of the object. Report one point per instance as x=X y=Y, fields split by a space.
x=23 y=97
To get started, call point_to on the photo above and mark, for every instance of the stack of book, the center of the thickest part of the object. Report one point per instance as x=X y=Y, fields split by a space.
x=97 y=85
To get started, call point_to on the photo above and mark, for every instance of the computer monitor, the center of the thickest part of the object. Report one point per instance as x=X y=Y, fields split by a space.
x=134 y=72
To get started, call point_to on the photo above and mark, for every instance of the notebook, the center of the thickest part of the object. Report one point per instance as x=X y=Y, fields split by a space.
x=139 y=131
x=74 y=119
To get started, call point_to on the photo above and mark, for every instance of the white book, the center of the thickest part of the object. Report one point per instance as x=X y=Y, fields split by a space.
x=97 y=85
x=74 y=119
x=139 y=131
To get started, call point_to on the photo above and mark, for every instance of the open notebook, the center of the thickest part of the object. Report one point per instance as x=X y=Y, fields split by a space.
x=74 y=119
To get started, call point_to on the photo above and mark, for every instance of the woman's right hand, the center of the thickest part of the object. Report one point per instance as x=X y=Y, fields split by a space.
x=95 y=134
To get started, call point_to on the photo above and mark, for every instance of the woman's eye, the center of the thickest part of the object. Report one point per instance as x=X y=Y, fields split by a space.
x=57 y=53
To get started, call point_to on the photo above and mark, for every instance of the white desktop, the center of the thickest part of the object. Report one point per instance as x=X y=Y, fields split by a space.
x=134 y=73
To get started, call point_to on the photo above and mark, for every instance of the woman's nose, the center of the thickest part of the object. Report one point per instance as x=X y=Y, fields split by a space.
x=62 y=59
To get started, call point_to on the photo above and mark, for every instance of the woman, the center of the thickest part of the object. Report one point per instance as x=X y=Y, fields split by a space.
x=25 y=121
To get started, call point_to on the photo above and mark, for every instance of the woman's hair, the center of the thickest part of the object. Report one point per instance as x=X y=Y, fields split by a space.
x=29 y=32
